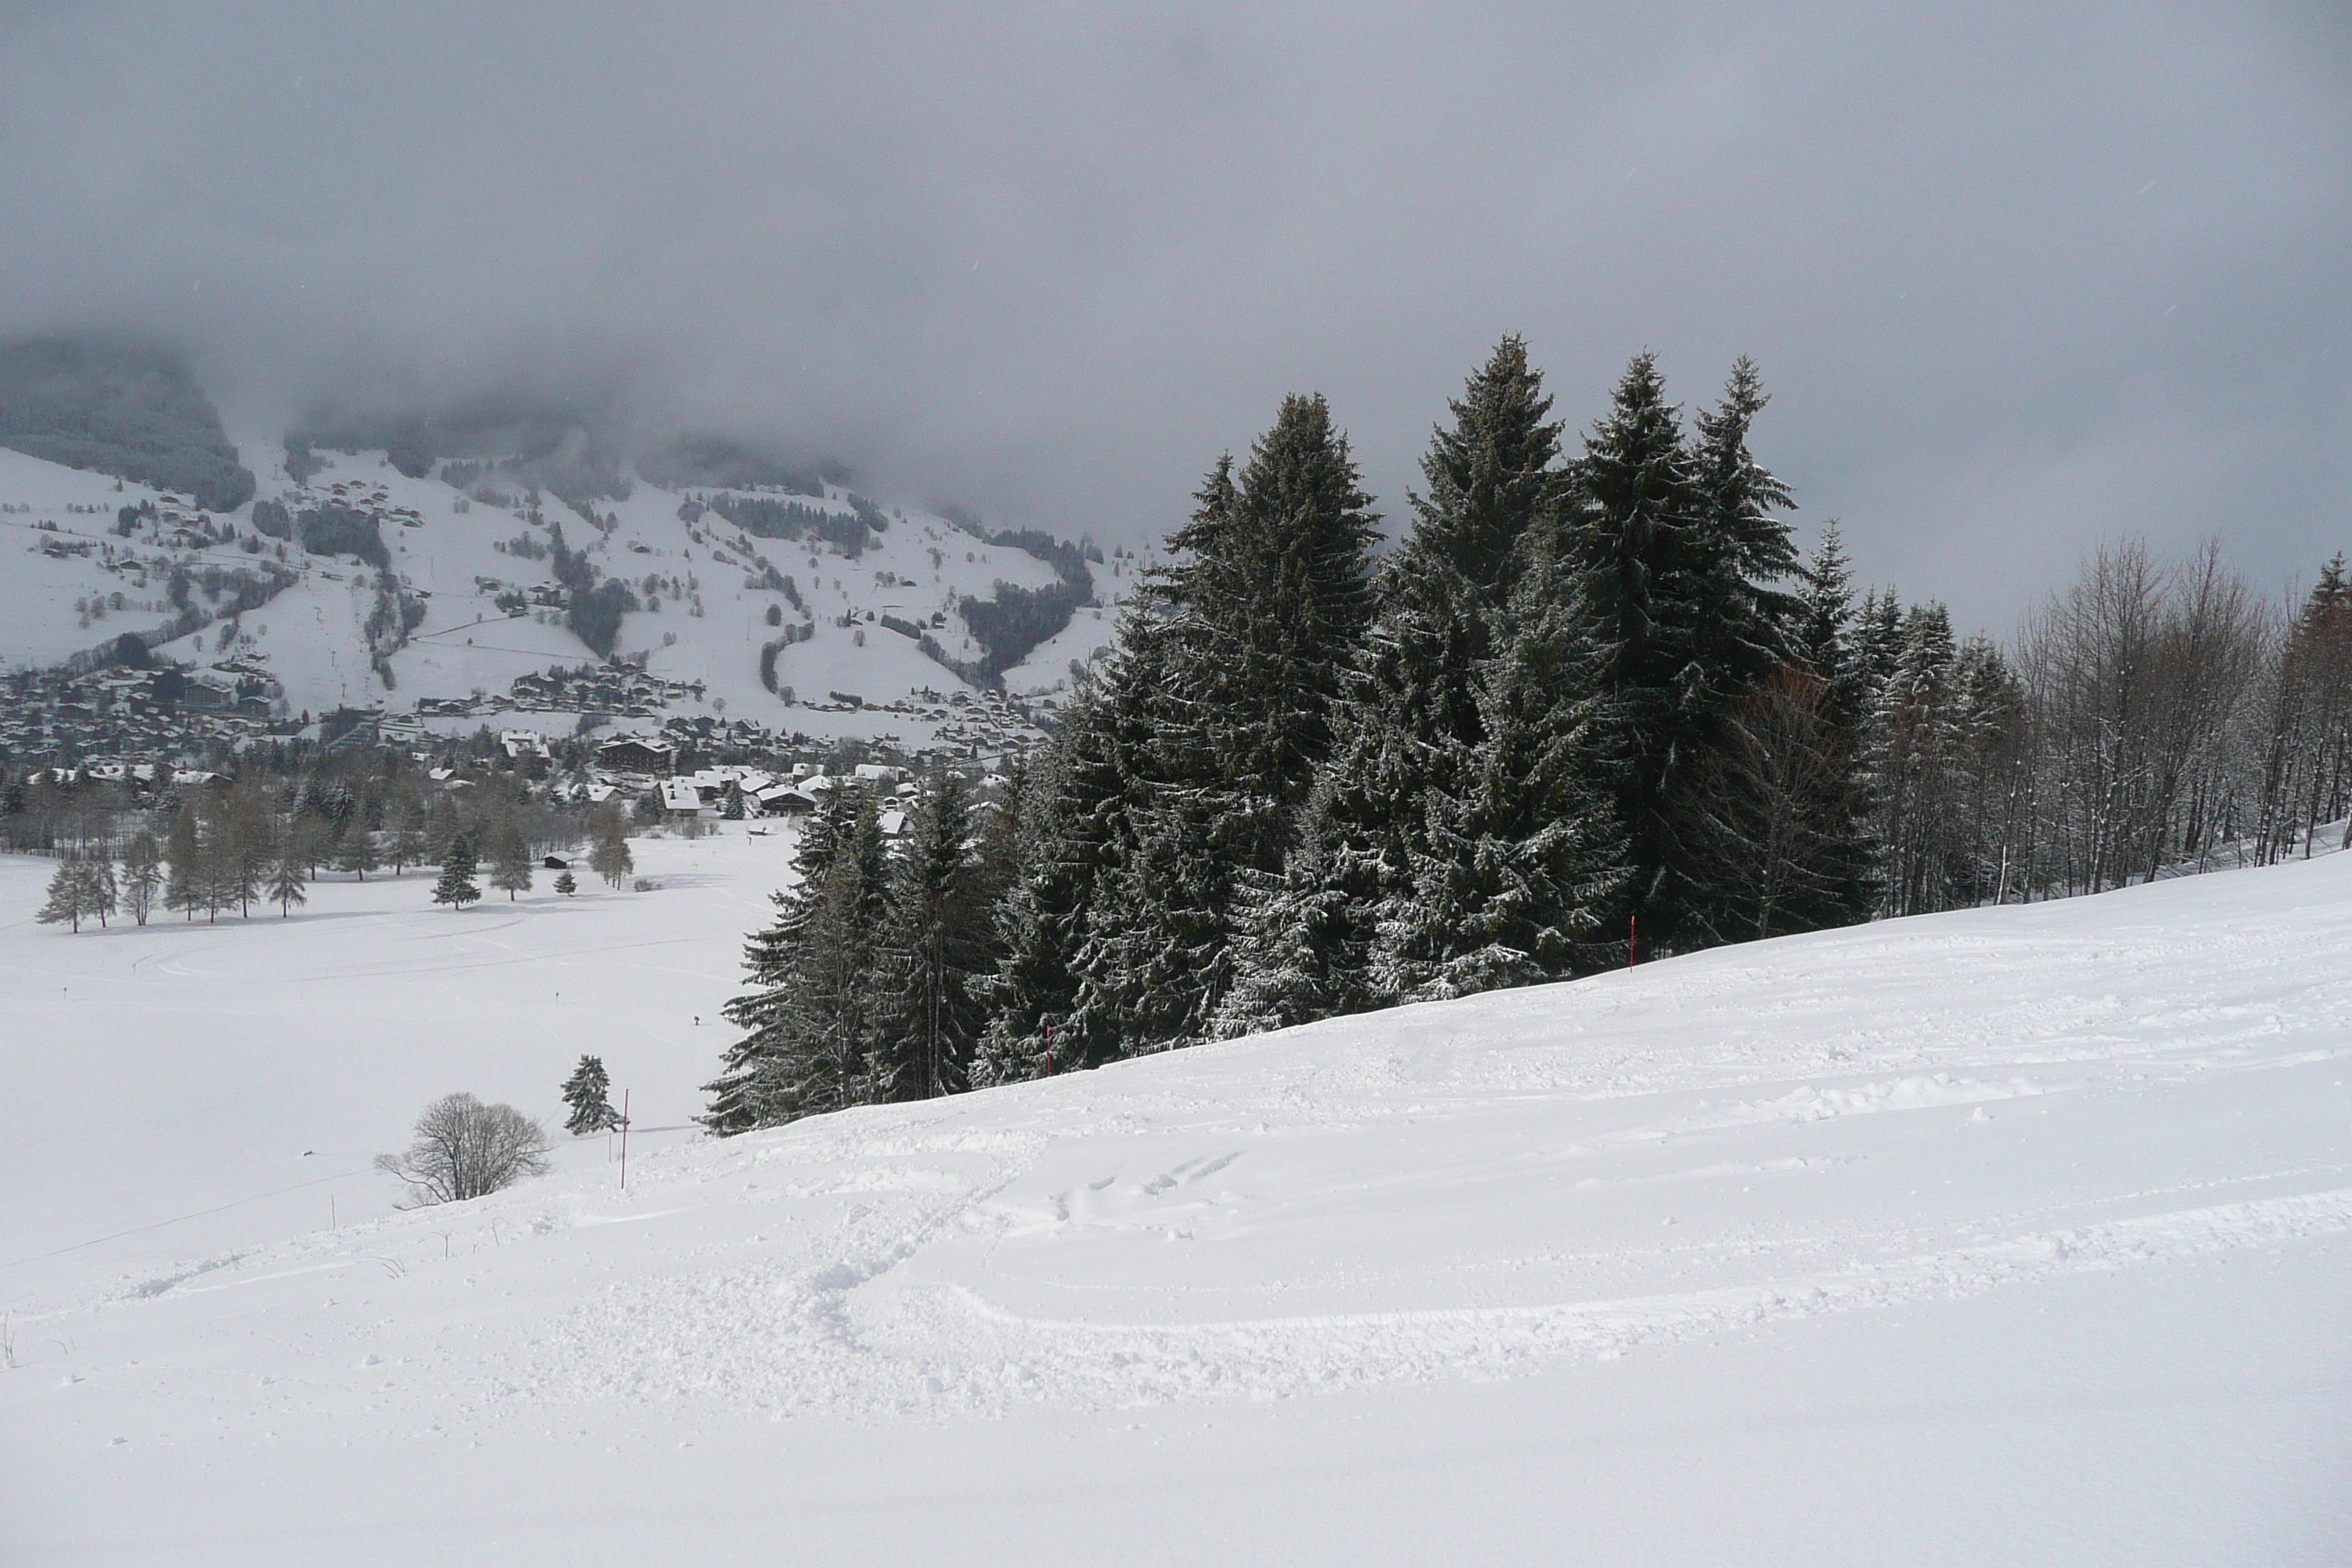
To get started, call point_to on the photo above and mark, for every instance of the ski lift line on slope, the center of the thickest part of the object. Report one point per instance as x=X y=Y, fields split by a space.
x=175 y=1219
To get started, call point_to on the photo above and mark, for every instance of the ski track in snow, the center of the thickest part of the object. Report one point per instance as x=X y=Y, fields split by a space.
x=873 y=1292
x=1463 y=1191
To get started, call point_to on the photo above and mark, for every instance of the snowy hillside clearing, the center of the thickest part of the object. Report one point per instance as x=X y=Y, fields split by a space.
x=2012 y=1235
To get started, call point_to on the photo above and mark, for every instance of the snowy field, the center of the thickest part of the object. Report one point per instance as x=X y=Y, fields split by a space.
x=2010 y=1237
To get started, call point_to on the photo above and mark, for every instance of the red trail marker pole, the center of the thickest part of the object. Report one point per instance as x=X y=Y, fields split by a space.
x=1632 y=931
x=624 y=1139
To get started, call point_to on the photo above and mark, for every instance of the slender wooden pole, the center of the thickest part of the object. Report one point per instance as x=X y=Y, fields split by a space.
x=624 y=1139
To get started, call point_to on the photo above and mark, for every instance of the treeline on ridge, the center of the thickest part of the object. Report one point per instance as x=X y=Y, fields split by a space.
x=763 y=517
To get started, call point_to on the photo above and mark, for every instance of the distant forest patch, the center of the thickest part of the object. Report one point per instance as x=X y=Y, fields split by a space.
x=341 y=531
x=763 y=517
x=122 y=409
x=1009 y=626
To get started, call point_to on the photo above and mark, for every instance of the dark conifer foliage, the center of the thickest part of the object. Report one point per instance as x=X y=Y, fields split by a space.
x=1580 y=689
x=1403 y=885
x=1217 y=711
x=1630 y=536
x=809 y=1016
x=1838 y=805
x=1522 y=853
x=936 y=944
x=588 y=1095
x=1061 y=818
x=1303 y=937
x=457 y=887
x=1681 y=544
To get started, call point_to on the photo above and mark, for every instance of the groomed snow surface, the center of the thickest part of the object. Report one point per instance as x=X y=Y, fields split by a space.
x=2010 y=1236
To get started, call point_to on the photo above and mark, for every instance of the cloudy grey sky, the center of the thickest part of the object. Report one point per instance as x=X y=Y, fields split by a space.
x=2022 y=277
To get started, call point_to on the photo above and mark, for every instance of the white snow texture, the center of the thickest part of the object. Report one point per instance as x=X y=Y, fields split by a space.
x=2008 y=1236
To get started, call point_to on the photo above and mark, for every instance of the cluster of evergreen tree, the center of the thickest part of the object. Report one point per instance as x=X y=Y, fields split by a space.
x=762 y=516
x=259 y=839
x=1067 y=559
x=1587 y=688
x=343 y=530
x=1010 y=624
x=868 y=986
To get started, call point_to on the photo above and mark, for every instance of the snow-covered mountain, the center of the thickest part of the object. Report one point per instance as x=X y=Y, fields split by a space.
x=2020 y=1234
x=471 y=563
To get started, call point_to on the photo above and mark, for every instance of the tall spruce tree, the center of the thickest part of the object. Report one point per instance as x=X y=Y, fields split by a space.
x=456 y=886
x=1680 y=546
x=1220 y=713
x=808 y=1015
x=1521 y=854
x=105 y=892
x=355 y=851
x=935 y=944
x=1386 y=829
x=1915 y=734
x=588 y=1093
x=67 y=902
x=1846 y=889
x=1878 y=638
x=1630 y=536
x=1745 y=549
x=404 y=833
x=442 y=828
x=1304 y=936
x=770 y=958
x=1062 y=820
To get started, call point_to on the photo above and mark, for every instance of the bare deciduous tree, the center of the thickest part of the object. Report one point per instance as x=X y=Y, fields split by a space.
x=465 y=1149
x=2306 y=765
x=2137 y=684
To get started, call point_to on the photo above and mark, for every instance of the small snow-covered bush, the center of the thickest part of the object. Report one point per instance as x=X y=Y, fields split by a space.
x=465 y=1149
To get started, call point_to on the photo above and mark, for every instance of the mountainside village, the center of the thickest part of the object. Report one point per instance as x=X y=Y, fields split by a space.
x=356 y=619
x=134 y=736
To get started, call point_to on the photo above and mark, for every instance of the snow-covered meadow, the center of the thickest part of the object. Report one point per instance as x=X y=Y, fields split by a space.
x=2015 y=1236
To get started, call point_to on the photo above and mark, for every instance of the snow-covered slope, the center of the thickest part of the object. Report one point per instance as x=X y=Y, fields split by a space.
x=2016 y=1235
x=52 y=520
x=706 y=597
